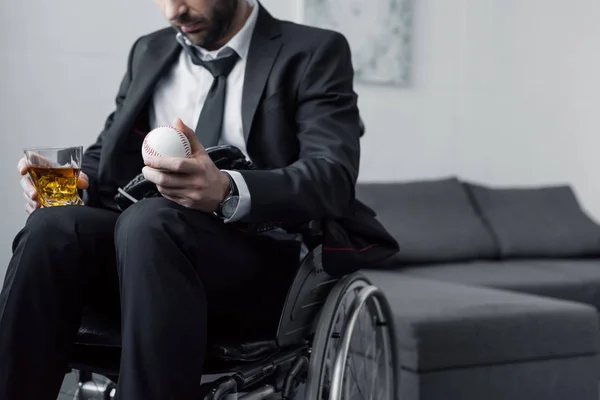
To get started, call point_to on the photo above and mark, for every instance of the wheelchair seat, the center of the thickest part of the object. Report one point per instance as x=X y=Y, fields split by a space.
x=98 y=329
x=97 y=347
x=322 y=322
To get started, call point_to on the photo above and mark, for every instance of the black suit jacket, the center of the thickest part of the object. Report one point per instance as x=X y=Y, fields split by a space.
x=302 y=127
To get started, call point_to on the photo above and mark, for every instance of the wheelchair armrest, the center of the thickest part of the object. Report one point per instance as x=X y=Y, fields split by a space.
x=311 y=233
x=304 y=300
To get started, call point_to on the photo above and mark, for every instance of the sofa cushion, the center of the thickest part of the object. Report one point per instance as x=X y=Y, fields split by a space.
x=537 y=222
x=433 y=221
x=586 y=271
x=443 y=325
x=575 y=280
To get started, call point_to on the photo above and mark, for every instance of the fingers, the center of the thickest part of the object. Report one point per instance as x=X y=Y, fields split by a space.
x=22 y=166
x=29 y=209
x=178 y=124
x=30 y=193
x=191 y=136
x=31 y=204
x=174 y=198
x=32 y=198
x=83 y=182
x=28 y=187
x=182 y=201
x=174 y=164
x=174 y=193
x=166 y=179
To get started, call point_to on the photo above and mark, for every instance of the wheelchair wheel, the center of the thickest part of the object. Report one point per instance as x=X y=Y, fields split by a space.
x=354 y=355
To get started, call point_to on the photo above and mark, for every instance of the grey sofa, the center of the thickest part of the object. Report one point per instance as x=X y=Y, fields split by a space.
x=495 y=291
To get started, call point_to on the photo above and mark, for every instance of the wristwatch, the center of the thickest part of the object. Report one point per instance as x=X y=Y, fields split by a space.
x=228 y=206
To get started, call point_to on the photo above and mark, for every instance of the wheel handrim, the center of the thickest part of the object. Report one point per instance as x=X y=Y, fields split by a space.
x=363 y=365
x=358 y=383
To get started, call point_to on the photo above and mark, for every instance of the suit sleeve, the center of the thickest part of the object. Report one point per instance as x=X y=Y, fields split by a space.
x=91 y=156
x=321 y=183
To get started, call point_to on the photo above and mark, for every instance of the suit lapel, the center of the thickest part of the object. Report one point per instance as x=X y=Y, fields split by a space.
x=147 y=69
x=264 y=47
x=159 y=55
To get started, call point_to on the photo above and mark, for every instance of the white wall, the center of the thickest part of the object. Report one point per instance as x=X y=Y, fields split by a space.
x=503 y=92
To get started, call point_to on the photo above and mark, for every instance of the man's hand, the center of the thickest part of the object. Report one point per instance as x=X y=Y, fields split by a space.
x=30 y=192
x=194 y=182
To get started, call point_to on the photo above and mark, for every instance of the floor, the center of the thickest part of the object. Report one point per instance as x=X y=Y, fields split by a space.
x=68 y=388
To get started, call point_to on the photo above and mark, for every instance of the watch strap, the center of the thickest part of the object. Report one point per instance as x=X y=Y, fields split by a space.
x=233 y=189
x=233 y=192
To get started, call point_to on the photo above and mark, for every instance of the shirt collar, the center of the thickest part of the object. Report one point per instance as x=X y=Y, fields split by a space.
x=240 y=43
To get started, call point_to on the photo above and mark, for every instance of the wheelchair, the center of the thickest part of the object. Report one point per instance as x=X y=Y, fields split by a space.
x=335 y=340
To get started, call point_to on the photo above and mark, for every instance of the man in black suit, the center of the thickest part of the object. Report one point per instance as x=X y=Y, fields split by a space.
x=180 y=268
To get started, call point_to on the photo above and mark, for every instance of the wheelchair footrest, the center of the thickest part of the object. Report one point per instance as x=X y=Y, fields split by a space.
x=93 y=390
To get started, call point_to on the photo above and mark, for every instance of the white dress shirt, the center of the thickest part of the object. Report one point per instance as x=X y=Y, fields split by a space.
x=182 y=91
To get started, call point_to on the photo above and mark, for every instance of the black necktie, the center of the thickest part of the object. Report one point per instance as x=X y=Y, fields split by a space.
x=210 y=122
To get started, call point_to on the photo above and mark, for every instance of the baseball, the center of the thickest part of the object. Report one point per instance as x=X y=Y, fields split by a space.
x=166 y=141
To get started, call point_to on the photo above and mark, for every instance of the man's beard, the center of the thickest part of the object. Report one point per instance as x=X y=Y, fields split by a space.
x=223 y=17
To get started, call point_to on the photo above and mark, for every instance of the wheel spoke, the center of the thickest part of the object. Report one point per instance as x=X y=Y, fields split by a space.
x=353 y=373
x=362 y=338
x=351 y=362
x=372 y=386
x=366 y=379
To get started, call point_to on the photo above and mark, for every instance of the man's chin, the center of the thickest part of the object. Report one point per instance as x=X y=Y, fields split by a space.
x=202 y=38
x=197 y=38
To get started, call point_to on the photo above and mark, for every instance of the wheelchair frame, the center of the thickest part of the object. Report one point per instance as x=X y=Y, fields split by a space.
x=306 y=336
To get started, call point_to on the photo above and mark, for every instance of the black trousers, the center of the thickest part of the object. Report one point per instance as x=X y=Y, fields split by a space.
x=176 y=276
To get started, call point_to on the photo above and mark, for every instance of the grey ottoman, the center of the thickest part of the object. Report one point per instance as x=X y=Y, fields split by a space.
x=459 y=342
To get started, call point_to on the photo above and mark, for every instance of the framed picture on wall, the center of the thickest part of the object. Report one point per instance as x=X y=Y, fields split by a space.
x=379 y=33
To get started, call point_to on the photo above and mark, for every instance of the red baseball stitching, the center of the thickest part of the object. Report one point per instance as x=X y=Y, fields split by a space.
x=184 y=141
x=150 y=150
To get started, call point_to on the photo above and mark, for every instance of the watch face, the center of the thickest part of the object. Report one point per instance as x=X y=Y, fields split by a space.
x=229 y=206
